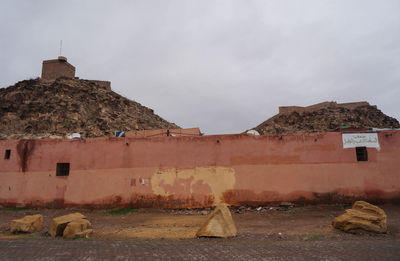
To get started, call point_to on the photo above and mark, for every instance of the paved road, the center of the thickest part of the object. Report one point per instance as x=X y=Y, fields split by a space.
x=198 y=249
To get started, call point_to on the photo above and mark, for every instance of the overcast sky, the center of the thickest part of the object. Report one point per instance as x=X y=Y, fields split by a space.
x=223 y=66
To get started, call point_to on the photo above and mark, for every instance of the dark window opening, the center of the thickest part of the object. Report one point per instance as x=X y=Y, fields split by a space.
x=362 y=154
x=7 y=154
x=62 y=169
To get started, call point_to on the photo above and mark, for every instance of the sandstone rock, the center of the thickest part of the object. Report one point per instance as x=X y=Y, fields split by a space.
x=218 y=224
x=363 y=217
x=78 y=228
x=28 y=224
x=85 y=233
x=58 y=224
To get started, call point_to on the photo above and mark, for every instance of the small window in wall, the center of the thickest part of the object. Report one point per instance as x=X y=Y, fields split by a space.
x=362 y=154
x=7 y=154
x=62 y=169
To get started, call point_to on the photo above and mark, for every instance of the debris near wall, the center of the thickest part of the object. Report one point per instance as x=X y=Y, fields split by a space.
x=54 y=109
x=325 y=117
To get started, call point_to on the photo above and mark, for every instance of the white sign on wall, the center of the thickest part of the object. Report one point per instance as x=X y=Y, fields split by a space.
x=352 y=140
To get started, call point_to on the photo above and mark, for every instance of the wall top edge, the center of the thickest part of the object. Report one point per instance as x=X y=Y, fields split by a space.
x=204 y=137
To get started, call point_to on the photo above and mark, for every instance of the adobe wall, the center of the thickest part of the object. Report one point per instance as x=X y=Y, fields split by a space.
x=53 y=69
x=105 y=84
x=176 y=172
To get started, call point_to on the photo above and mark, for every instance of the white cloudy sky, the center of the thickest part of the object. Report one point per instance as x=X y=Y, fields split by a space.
x=224 y=66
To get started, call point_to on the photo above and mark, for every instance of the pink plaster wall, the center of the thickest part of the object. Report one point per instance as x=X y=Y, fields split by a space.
x=118 y=171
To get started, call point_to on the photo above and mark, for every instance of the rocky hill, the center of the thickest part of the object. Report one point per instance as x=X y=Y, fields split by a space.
x=326 y=116
x=38 y=108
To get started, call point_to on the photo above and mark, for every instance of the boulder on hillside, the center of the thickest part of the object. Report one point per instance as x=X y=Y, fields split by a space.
x=58 y=224
x=218 y=224
x=27 y=224
x=363 y=217
x=78 y=228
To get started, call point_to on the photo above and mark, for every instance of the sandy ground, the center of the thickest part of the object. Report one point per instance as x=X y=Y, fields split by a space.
x=294 y=223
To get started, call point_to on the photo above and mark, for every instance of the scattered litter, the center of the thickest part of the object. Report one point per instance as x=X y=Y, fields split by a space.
x=120 y=134
x=253 y=132
x=74 y=136
x=286 y=204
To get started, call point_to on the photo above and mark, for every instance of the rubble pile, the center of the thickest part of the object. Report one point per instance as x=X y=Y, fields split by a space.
x=38 y=108
x=328 y=116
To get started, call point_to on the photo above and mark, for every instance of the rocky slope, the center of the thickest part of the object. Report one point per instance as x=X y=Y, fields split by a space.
x=55 y=109
x=324 y=117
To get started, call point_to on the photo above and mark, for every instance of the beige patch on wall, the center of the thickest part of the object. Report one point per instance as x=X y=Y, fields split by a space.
x=171 y=181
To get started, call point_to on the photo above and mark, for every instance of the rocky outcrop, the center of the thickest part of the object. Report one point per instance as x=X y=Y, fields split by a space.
x=54 y=109
x=326 y=116
x=78 y=228
x=218 y=224
x=27 y=224
x=58 y=224
x=362 y=218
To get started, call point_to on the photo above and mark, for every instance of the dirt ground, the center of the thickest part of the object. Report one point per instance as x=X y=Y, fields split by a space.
x=280 y=223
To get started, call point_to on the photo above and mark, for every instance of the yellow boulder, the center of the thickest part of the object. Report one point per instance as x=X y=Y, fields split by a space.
x=58 y=224
x=218 y=224
x=363 y=217
x=78 y=228
x=27 y=224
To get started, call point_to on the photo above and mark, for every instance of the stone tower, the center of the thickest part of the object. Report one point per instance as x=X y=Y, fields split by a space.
x=52 y=69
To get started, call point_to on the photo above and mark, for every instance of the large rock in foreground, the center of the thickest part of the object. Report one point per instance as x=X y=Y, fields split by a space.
x=28 y=224
x=78 y=228
x=362 y=218
x=58 y=224
x=218 y=224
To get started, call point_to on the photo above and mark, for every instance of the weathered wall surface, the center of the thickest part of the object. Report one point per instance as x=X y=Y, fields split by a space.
x=197 y=171
x=52 y=69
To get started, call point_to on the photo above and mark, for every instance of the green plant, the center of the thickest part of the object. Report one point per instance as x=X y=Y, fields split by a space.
x=15 y=208
x=31 y=236
x=308 y=236
x=119 y=211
